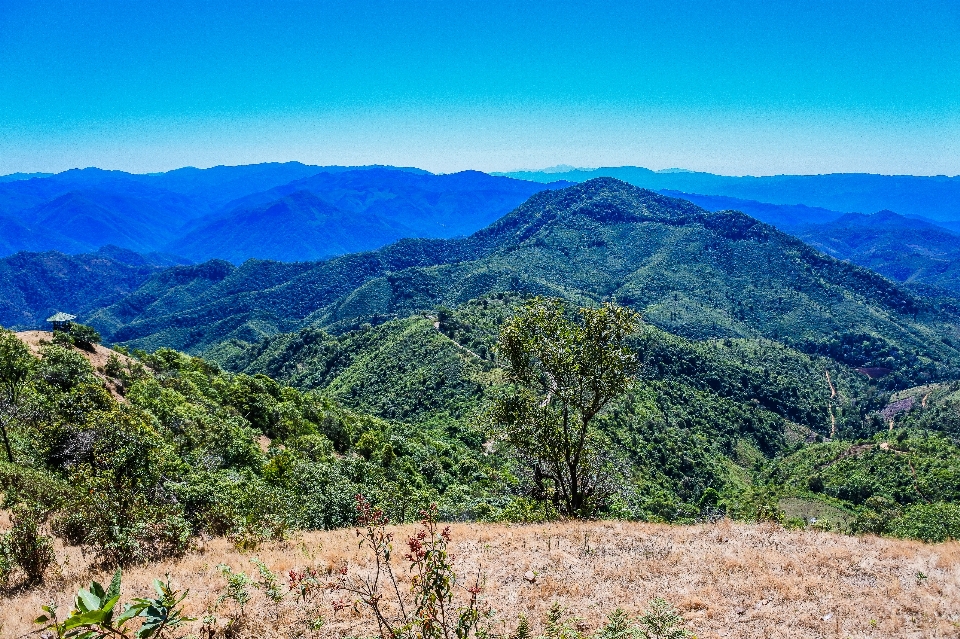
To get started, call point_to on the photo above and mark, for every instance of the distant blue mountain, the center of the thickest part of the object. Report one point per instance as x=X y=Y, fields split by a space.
x=15 y=177
x=784 y=216
x=334 y=213
x=935 y=197
x=285 y=212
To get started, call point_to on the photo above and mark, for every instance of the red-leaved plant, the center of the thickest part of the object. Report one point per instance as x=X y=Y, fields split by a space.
x=432 y=611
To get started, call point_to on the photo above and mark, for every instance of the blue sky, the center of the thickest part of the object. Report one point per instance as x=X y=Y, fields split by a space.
x=723 y=86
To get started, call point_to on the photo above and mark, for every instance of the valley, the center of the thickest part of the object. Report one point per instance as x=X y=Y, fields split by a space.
x=781 y=407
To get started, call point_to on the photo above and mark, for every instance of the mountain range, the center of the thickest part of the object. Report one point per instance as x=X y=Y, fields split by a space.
x=287 y=212
x=690 y=272
x=933 y=197
x=754 y=348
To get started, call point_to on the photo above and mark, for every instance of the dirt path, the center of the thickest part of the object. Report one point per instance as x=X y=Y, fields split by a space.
x=833 y=394
x=833 y=391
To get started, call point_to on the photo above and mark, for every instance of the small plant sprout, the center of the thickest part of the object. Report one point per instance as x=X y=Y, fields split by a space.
x=93 y=616
x=662 y=621
x=269 y=581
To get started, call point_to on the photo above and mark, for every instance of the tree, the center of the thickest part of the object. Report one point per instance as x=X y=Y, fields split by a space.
x=84 y=336
x=16 y=361
x=563 y=369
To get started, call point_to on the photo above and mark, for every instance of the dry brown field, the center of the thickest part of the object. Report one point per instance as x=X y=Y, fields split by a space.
x=727 y=579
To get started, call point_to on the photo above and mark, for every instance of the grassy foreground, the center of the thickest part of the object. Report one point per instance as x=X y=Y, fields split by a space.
x=727 y=579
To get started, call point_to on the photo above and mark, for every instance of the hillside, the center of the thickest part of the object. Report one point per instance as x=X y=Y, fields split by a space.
x=691 y=272
x=422 y=368
x=34 y=286
x=902 y=249
x=727 y=580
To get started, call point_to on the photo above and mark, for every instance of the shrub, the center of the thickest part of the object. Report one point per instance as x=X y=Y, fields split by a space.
x=84 y=336
x=432 y=612
x=618 y=626
x=124 y=529
x=929 y=522
x=558 y=625
x=661 y=621
x=26 y=546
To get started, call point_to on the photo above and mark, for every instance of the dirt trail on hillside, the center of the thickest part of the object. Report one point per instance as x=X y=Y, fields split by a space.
x=833 y=394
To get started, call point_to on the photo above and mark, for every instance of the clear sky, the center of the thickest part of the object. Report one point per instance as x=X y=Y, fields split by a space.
x=734 y=87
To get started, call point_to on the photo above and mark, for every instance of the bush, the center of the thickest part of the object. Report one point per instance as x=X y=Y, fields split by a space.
x=929 y=522
x=84 y=336
x=26 y=547
x=124 y=533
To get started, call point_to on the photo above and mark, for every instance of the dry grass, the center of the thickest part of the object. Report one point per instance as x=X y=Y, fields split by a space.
x=729 y=580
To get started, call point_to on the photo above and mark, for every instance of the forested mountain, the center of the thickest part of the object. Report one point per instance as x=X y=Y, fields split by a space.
x=935 y=197
x=913 y=251
x=333 y=213
x=903 y=249
x=34 y=286
x=691 y=272
x=767 y=381
x=259 y=211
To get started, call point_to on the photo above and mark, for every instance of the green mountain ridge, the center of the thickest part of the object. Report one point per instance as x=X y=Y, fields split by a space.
x=690 y=272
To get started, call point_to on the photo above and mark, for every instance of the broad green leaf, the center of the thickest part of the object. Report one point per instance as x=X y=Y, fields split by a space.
x=87 y=600
x=114 y=589
x=108 y=606
x=97 y=589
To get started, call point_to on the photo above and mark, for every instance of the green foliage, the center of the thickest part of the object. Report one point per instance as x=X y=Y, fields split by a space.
x=238 y=587
x=661 y=621
x=25 y=546
x=563 y=374
x=934 y=522
x=94 y=614
x=523 y=628
x=83 y=336
x=618 y=626
x=16 y=364
x=269 y=581
x=558 y=625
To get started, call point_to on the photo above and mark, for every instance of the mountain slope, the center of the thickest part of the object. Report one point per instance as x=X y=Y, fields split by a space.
x=903 y=249
x=295 y=228
x=691 y=272
x=94 y=218
x=33 y=286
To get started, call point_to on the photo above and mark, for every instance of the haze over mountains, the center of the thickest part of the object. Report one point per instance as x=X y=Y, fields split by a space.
x=290 y=213
x=933 y=197
x=287 y=212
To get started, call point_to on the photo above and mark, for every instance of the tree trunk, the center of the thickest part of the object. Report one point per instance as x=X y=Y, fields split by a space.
x=6 y=442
